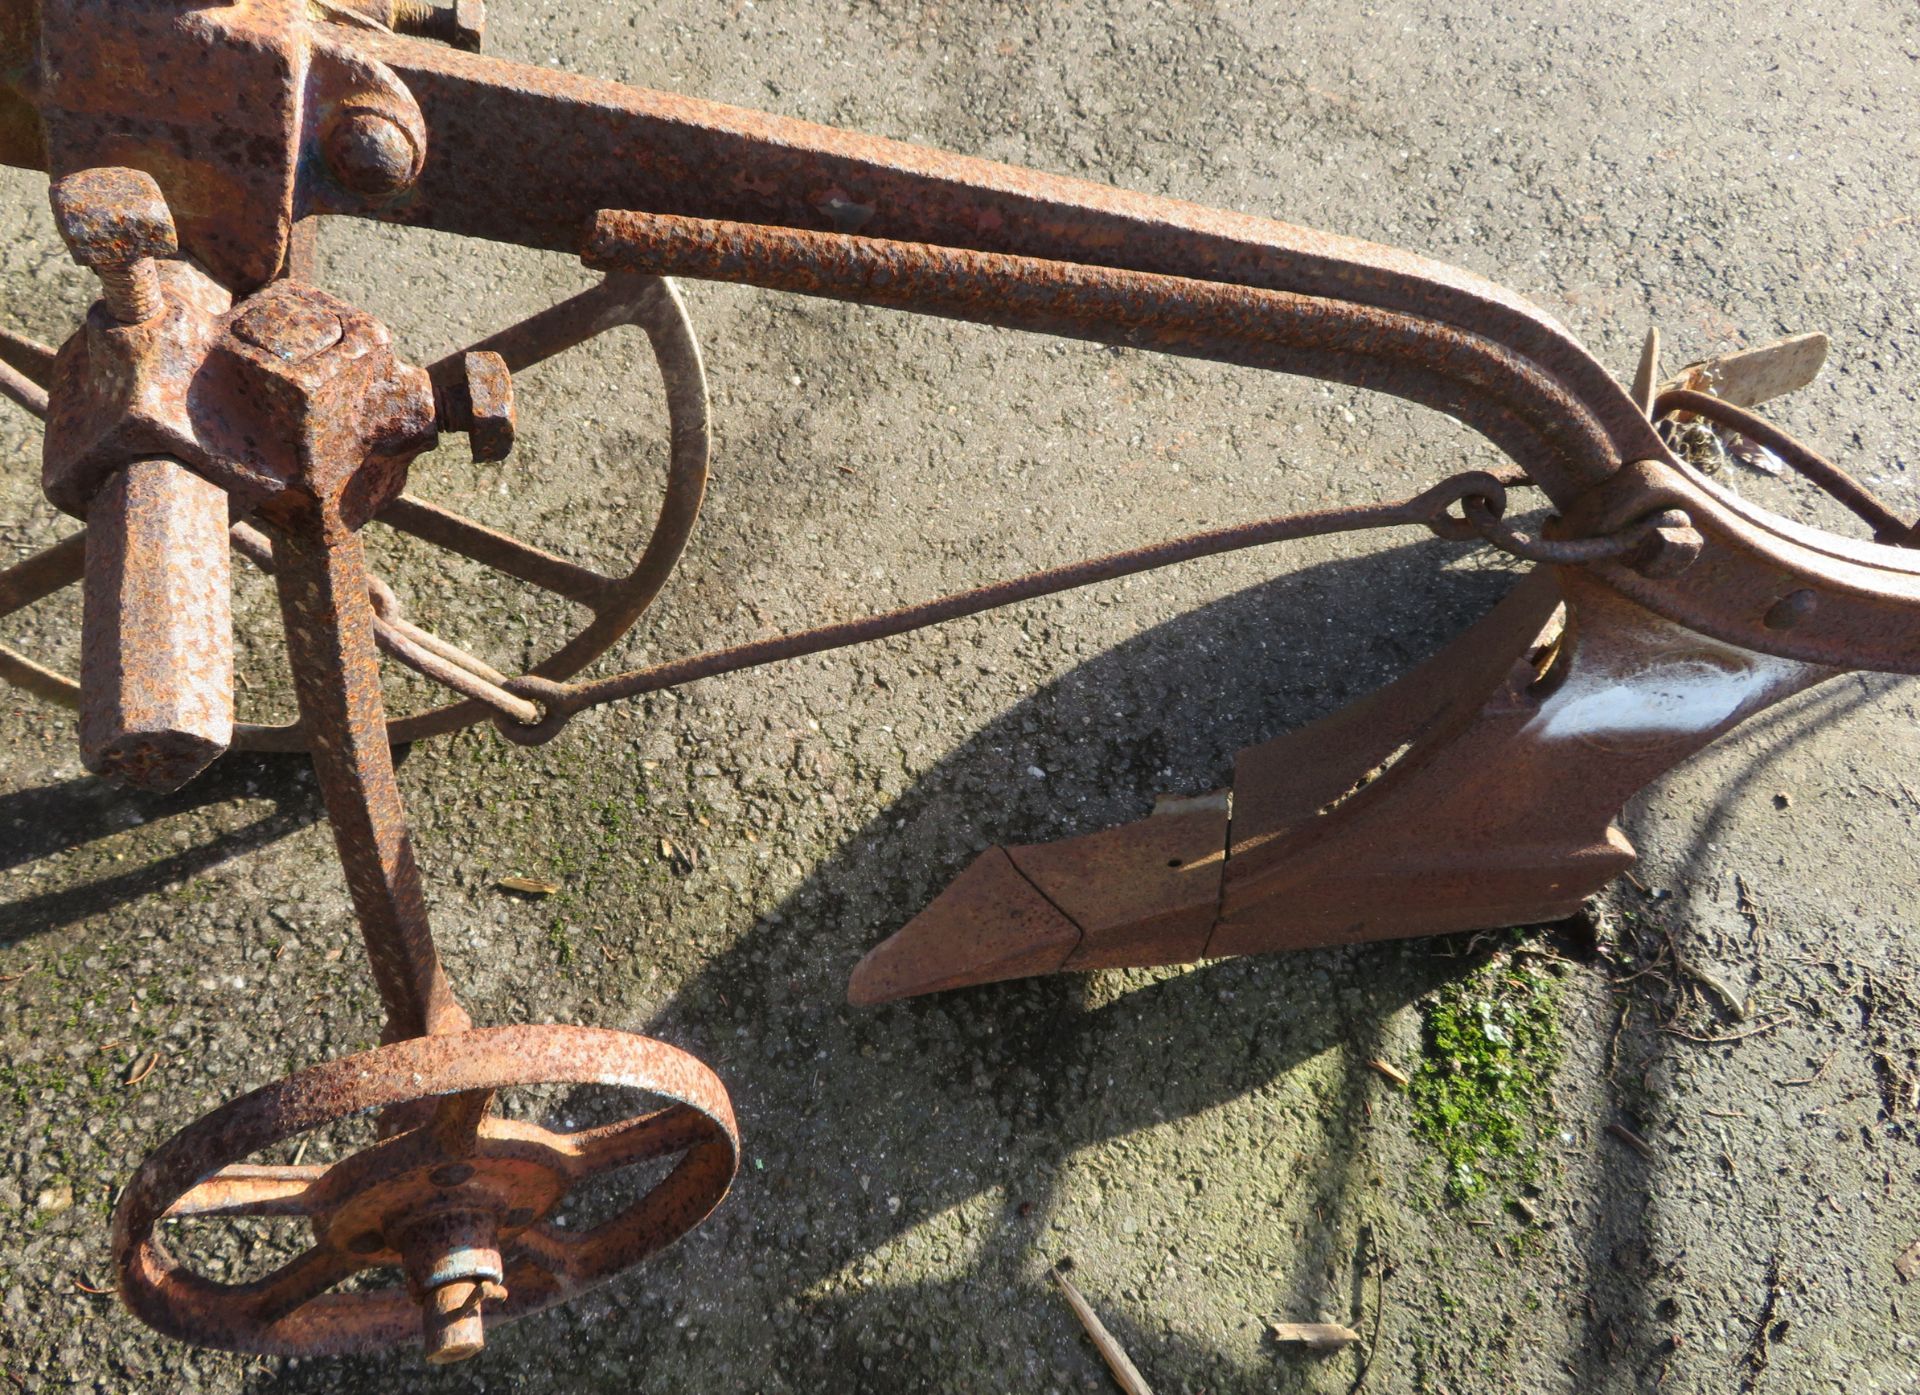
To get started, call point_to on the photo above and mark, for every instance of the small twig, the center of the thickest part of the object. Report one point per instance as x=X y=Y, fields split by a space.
x=144 y=1071
x=1314 y=1336
x=1731 y=1036
x=1631 y=1139
x=1125 y=1374
x=1390 y=1071
x=1818 y=1073
x=1613 y=1042
x=86 y=1287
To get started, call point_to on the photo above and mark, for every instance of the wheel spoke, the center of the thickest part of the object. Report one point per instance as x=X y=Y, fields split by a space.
x=245 y=1190
x=300 y=1280
x=455 y=1126
x=39 y=576
x=29 y=356
x=522 y=561
x=42 y=682
x=20 y=388
x=560 y=1255
x=656 y=1135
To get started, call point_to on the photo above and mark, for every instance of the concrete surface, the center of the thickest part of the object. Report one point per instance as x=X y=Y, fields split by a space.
x=1208 y=1143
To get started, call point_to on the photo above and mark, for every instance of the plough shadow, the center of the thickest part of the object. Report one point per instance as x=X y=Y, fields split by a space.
x=860 y=1126
x=1625 y=1338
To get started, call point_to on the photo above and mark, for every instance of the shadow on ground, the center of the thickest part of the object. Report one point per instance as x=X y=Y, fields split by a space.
x=860 y=1127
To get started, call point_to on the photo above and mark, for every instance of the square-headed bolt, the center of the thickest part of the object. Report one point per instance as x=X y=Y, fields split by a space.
x=115 y=222
x=480 y=404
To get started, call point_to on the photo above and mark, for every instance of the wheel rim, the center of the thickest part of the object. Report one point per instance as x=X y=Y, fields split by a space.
x=511 y=1168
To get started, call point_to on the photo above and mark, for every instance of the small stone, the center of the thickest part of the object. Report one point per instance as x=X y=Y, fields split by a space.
x=54 y=1200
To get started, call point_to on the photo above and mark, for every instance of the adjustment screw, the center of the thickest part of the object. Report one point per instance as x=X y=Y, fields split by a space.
x=115 y=221
x=462 y=24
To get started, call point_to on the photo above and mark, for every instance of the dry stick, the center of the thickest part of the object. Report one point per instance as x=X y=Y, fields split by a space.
x=1390 y=1071
x=1808 y=1080
x=1631 y=1139
x=1314 y=1336
x=1731 y=1036
x=1125 y=1374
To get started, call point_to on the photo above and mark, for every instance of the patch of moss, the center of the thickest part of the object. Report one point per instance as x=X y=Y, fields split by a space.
x=1480 y=1094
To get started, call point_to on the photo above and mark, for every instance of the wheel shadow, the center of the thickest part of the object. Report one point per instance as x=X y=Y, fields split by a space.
x=862 y=1126
x=60 y=818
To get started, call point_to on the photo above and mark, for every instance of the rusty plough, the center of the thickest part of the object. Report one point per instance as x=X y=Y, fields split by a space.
x=216 y=402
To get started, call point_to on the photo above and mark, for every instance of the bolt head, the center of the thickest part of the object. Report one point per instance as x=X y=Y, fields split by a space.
x=490 y=389
x=293 y=328
x=113 y=217
x=450 y=1174
x=469 y=24
x=371 y=154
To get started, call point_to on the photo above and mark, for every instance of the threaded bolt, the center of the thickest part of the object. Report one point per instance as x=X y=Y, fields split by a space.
x=461 y=24
x=115 y=222
x=132 y=293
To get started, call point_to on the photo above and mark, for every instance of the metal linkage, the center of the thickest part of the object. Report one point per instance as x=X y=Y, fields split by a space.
x=213 y=401
x=1481 y=495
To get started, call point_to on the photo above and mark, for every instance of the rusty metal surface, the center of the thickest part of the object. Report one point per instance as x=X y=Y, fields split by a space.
x=214 y=399
x=156 y=667
x=1478 y=791
x=482 y=1215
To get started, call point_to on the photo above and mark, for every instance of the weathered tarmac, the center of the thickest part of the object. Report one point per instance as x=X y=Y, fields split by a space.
x=1209 y=1143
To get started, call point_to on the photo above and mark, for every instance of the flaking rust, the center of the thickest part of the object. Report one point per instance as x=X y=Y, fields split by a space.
x=214 y=400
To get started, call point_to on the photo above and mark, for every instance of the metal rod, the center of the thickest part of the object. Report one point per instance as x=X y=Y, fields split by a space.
x=322 y=581
x=1505 y=395
x=562 y=700
x=1888 y=526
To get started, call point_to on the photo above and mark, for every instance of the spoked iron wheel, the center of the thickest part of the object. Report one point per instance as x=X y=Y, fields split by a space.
x=463 y=1203
x=615 y=603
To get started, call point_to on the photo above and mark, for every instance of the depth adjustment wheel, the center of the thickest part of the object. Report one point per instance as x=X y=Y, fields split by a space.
x=462 y=1203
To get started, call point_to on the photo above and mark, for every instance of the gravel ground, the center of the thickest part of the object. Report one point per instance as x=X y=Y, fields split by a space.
x=1208 y=1143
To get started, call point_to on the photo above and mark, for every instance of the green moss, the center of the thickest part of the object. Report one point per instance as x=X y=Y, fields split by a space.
x=1480 y=1094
